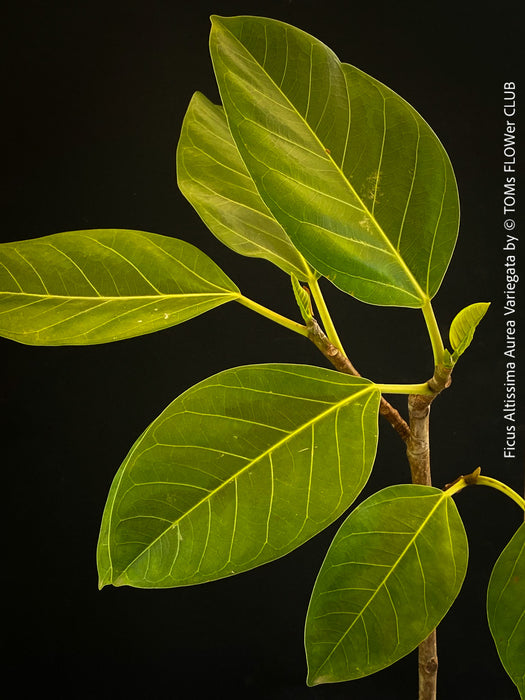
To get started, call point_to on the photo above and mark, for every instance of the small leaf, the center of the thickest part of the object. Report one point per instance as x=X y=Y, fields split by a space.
x=506 y=608
x=354 y=175
x=214 y=179
x=463 y=326
x=392 y=572
x=303 y=299
x=239 y=470
x=88 y=287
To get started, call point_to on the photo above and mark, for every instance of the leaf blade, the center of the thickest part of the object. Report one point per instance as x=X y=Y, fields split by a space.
x=213 y=178
x=464 y=325
x=289 y=111
x=385 y=559
x=506 y=608
x=102 y=285
x=240 y=481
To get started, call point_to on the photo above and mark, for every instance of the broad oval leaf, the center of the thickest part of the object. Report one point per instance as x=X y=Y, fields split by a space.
x=393 y=570
x=352 y=172
x=464 y=325
x=97 y=286
x=506 y=608
x=214 y=179
x=239 y=470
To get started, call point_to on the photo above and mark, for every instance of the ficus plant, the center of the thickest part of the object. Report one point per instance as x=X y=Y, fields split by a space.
x=320 y=169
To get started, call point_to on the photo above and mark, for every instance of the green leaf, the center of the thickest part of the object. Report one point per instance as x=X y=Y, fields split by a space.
x=392 y=572
x=303 y=299
x=239 y=470
x=506 y=608
x=463 y=326
x=88 y=287
x=214 y=179
x=352 y=172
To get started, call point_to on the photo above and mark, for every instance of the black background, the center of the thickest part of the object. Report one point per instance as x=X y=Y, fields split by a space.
x=94 y=97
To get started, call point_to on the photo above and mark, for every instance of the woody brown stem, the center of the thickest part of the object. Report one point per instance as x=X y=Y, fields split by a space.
x=418 y=453
x=343 y=364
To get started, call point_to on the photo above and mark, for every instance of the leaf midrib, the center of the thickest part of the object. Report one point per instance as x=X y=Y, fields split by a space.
x=420 y=293
x=334 y=407
x=103 y=298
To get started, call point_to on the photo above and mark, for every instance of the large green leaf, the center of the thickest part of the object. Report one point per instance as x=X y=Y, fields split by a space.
x=214 y=179
x=392 y=572
x=506 y=608
x=237 y=471
x=355 y=176
x=88 y=287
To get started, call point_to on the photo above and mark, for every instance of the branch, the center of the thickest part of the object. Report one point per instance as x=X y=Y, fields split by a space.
x=418 y=453
x=343 y=364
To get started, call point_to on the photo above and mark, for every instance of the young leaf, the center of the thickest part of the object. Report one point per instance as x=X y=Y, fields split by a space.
x=214 y=179
x=239 y=470
x=352 y=172
x=303 y=299
x=506 y=608
x=463 y=326
x=392 y=572
x=88 y=287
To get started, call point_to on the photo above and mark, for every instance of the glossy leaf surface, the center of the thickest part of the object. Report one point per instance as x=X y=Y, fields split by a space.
x=352 y=172
x=463 y=327
x=239 y=470
x=393 y=570
x=96 y=286
x=214 y=179
x=506 y=608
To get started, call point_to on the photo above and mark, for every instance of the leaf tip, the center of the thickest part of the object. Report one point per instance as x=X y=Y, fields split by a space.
x=314 y=679
x=215 y=20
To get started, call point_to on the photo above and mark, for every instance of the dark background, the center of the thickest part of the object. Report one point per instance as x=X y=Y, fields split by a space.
x=94 y=97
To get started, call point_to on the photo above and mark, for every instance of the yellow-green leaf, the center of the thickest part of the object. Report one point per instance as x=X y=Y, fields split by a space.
x=506 y=608
x=463 y=327
x=392 y=572
x=97 y=286
x=354 y=175
x=239 y=470
x=214 y=179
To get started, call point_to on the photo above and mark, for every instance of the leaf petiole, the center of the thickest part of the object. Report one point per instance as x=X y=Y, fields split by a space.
x=500 y=486
x=475 y=479
x=273 y=315
x=421 y=389
x=433 y=331
x=325 y=314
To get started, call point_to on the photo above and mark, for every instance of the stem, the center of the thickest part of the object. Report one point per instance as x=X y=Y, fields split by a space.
x=325 y=314
x=475 y=479
x=419 y=389
x=428 y=666
x=342 y=364
x=495 y=484
x=273 y=315
x=433 y=331
x=418 y=453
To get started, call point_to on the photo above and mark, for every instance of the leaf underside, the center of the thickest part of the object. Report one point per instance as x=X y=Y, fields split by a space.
x=506 y=608
x=355 y=176
x=97 y=286
x=239 y=470
x=392 y=572
x=214 y=179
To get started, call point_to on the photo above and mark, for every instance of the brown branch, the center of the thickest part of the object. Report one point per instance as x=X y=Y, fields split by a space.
x=418 y=453
x=428 y=667
x=343 y=364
